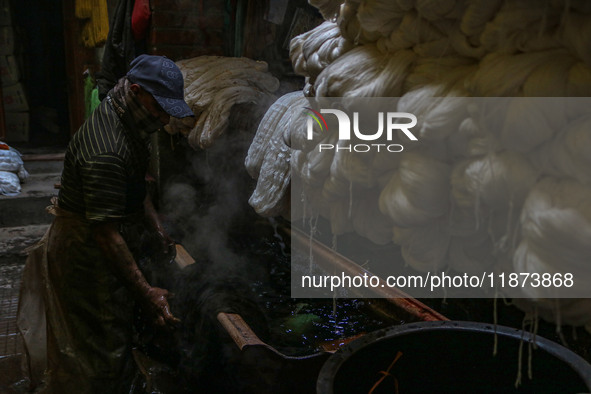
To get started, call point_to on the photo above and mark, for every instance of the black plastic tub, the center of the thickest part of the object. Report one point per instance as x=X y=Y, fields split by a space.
x=453 y=357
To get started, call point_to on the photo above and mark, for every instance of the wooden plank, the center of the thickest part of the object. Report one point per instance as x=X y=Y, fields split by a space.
x=183 y=258
x=44 y=157
x=2 y=119
x=239 y=331
x=78 y=59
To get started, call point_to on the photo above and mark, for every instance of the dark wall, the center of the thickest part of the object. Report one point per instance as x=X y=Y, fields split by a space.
x=39 y=30
x=182 y=29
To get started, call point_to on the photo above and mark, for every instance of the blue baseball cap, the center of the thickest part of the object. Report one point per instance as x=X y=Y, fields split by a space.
x=160 y=77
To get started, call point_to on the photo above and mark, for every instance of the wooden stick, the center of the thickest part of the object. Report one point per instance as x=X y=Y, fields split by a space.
x=183 y=258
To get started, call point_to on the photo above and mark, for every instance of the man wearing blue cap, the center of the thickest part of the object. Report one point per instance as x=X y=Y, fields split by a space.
x=92 y=278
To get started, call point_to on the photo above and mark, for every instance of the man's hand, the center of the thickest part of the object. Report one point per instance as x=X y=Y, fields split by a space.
x=156 y=300
x=117 y=254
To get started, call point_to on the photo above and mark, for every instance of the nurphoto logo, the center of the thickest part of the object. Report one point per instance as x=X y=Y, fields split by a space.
x=387 y=121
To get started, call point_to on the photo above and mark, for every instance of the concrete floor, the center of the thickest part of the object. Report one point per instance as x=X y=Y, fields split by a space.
x=23 y=221
x=10 y=343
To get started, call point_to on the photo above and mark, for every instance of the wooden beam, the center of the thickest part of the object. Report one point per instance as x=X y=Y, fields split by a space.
x=44 y=157
x=2 y=118
x=78 y=59
x=183 y=258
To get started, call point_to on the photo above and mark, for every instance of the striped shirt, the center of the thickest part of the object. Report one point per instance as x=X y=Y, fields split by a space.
x=105 y=167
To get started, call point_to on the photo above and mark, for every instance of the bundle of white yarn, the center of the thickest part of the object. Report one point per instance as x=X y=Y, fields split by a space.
x=513 y=190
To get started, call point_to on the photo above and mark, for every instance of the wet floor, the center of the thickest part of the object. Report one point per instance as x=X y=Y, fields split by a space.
x=13 y=242
x=10 y=343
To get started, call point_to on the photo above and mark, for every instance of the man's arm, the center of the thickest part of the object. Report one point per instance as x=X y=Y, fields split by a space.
x=123 y=264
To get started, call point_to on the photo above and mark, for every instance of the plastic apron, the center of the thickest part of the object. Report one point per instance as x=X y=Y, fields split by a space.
x=74 y=315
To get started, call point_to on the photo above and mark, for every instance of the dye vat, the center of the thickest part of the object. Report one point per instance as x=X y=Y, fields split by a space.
x=305 y=332
x=453 y=357
x=242 y=332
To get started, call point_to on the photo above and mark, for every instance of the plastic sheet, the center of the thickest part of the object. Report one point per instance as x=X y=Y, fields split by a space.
x=10 y=185
x=12 y=171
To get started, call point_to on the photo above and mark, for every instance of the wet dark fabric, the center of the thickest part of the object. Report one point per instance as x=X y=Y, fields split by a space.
x=106 y=162
x=199 y=301
x=120 y=48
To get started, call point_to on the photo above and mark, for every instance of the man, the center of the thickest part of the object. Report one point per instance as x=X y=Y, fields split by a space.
x=91 y=277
